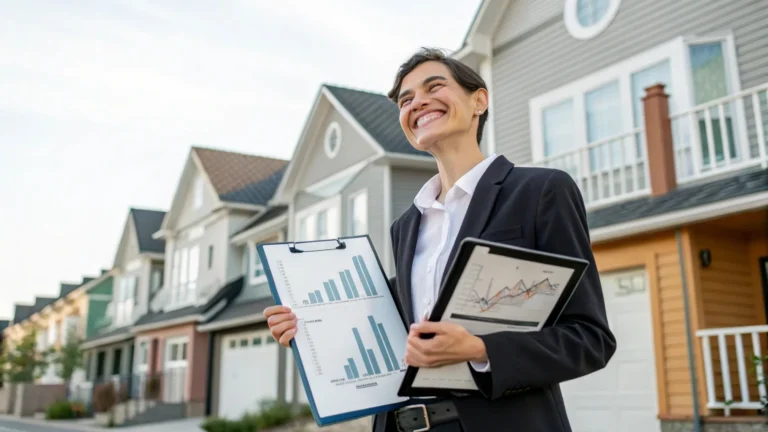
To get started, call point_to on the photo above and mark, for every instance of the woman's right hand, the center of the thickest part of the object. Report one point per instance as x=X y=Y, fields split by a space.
x=282 y=324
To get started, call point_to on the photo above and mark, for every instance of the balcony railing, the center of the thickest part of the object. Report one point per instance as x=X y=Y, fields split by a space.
x=721 y=135
x=743 y=346
x=607 y=170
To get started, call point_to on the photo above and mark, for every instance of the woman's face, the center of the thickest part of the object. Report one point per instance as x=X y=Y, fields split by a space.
x=434 y=107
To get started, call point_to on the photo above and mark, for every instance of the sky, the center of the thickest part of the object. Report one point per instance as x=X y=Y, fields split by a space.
x=100 y=101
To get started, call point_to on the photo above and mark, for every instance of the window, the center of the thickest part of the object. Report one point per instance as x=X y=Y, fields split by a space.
x=210 y=256
x=184 y=273
x=198 y=192
x=321 y=229
x=586 y=19
x=126 y=298
x=256 y=341
x=592 y=128
x=52 y=333
x=320 y=221
x=257 y=274
x=156 y=279
x=117 y=358
x=232 y=344
x=332 y=140
x=243 y=342
x=358 y=214
x=143 y=356
x=176 y=352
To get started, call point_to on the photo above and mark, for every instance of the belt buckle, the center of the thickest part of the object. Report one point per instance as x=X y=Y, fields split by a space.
x=426 y=416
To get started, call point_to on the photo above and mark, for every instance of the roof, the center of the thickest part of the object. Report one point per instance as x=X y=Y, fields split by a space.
x=378 y=115
x=21 y=312
x=259 y=192
x=244 y=309
x=107 y=336
x=3 y=326
x=687 y=196
x=270 y=214
x=147 y=222
x=231 y=174
x=67 y=288
x=227 y=292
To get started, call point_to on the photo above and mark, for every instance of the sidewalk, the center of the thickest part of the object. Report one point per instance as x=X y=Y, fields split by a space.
x=185 y=425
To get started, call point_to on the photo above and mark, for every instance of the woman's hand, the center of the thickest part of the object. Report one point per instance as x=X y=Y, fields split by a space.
x=451 y=344
x=282 y=324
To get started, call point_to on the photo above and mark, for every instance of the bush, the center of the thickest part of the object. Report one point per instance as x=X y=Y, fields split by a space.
x=274 y=414
x=104 y=397
x=78 y=408
x=60 y=410
x=248 y=423
x=305 y=411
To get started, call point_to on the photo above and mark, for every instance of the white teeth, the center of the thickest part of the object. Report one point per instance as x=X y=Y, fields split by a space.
x=428 y=118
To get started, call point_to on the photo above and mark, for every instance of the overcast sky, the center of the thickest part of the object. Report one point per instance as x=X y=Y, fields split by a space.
x=100 y=101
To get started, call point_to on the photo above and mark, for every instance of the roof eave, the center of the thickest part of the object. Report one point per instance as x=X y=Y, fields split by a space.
x=261 y=230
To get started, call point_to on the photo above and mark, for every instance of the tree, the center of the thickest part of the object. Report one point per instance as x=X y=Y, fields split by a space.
x=69 y=358
x=23 y=363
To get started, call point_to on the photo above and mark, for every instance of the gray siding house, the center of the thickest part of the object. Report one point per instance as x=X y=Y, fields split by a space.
x=669 y=175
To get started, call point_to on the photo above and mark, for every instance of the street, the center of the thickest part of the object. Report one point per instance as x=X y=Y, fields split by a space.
x=8 y=425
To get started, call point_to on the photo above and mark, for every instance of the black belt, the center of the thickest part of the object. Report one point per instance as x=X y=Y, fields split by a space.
x=423 y=417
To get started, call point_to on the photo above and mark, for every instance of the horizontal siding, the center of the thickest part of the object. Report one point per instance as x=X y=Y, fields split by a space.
x=523 y=16
x=548 y=57
x=406 y=183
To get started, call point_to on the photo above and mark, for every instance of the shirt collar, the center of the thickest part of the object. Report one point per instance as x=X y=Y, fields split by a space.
x=468 y=182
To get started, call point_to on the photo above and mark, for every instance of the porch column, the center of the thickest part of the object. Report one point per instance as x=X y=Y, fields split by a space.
x=658 y=138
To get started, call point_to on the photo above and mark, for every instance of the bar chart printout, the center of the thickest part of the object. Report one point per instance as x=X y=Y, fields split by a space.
x=348 y=283
x=370 y=362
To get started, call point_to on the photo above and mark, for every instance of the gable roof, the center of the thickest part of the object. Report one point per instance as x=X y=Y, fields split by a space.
x=477 y=43
x=232 y=173
x=147 y=222
x=379 y=117
x=3 y=326
x=67 y=288
x=259 y=192
x=21 y=312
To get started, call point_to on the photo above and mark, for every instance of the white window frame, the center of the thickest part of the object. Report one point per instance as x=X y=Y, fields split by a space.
x=184 y=276
x=675 y=51
x=254 y=261
x=310 y=214
x=331 y=153
x=127 y=288
x=351 y=212
x=142 y=356
x=578 y=31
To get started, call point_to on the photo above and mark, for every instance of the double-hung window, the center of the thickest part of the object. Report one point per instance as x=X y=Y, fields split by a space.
x=593 y=128
x=126 y=299
x=358 y=213
x=184 y=273
x=321 y=221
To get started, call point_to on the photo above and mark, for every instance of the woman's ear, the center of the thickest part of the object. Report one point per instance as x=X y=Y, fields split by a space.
x=481 y=100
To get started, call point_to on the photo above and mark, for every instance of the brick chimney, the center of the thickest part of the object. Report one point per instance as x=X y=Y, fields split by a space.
x=658 y=138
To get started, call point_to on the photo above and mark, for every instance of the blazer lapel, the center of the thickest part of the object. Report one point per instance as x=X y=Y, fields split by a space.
x=407 y=237
x=481 y=205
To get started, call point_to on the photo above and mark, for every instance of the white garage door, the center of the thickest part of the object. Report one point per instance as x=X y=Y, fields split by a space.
x=248 y=373
x=622 y=396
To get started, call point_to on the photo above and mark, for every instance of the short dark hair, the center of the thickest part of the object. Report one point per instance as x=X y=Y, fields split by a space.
x=463 y=74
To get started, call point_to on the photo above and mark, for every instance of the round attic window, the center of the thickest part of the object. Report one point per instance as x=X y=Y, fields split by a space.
x=332 y=141
x=586 y=19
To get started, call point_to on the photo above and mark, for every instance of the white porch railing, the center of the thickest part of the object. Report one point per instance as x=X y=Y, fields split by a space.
x=607 y=170
x=721 y=135
x=749 y=366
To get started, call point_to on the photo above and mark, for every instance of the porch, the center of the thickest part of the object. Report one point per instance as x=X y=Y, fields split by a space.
x=729 y=281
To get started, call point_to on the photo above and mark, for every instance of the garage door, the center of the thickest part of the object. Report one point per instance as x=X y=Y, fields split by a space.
x=622 y=396
x=248 y=373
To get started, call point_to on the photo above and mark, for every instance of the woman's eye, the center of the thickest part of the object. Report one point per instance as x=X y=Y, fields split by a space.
x=434 y=86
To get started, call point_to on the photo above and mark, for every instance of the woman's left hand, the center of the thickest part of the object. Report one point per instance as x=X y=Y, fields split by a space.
x=451 y=344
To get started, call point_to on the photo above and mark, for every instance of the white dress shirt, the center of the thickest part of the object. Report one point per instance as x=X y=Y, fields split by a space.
x=438 y=230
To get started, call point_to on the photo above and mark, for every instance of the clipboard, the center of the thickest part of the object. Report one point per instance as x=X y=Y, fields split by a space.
x=361 y=284
x=463 y=273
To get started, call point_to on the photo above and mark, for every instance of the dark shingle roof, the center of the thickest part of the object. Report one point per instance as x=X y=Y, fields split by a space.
x=147 y=222
x=683 y=197
x=258 y=193
x=124 y=331
x=244 y=309
x=230 y=172
x=21 y=312
x=227 y=292
x=270 y=214
x=67 y=288
x=378 y=115
x=3 y=326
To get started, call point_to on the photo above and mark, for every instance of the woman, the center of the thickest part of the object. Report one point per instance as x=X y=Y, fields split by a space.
x=443 y=108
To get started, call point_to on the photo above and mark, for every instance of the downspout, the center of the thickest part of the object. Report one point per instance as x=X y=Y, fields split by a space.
x=212 y=365
x=688 y=335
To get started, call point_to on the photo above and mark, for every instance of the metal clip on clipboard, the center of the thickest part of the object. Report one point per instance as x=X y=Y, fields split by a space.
x=338 y=245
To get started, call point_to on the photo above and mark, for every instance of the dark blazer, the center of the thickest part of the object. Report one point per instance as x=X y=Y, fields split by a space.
x=536 y=208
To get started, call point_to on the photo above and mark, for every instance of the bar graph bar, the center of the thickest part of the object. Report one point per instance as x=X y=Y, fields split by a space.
x=353 y=367
x=380 y=341
x=318 y=296
x=345 y=284
x=312 y=298
x=351 y=283
x=328 y=291
x=361 y=275
x=395 y=364
x=369 y=356
x=334 y=289
x=367 y=275
x=375 y=364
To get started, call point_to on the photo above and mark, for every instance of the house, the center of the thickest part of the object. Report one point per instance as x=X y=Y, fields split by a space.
x=675 y=182
x=219 y=192
x=351 y=172
x=3 y=326
x=123 y=295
